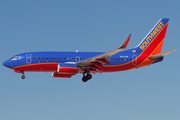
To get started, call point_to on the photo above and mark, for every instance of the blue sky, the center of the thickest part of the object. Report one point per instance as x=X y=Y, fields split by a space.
x=149 y=93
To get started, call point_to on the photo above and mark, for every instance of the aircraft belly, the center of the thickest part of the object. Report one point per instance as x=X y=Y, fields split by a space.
x=43 y=67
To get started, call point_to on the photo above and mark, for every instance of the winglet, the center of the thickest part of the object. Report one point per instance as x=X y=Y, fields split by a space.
x=160 y=54
x=125 y=44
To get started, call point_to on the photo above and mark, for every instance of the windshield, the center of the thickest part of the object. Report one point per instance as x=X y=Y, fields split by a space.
x=15 y=58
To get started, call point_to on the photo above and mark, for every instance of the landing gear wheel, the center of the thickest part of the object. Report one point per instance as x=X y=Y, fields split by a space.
x=86 y=78
x=89 y=76
x=23 y=76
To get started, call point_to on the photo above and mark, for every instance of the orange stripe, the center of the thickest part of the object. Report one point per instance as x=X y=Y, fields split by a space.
x=147 y=61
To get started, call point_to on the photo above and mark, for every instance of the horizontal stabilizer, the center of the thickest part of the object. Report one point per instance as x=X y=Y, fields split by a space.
x=160 y=54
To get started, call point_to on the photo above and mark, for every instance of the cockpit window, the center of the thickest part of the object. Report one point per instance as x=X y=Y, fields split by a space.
x=15 y=58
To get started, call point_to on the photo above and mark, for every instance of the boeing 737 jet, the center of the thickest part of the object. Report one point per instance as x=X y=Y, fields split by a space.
x=67 y=64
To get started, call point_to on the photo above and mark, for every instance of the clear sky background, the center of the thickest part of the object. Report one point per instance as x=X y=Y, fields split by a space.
x=148 y=93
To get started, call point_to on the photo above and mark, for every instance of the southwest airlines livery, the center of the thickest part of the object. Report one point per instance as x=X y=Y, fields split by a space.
x=67 y=64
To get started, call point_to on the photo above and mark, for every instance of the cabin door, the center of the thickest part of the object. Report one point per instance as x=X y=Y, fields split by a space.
x=77 y=59
x=28 y=58
x=134 y=60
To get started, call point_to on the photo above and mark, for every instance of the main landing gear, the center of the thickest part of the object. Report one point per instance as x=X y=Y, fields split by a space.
x=86 y=77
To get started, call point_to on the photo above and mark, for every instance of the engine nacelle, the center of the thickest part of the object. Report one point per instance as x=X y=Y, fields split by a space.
x=58 y=75
x=67 y=68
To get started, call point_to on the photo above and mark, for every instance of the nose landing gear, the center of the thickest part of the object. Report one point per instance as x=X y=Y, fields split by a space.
x=17 y=71
x=23 y=76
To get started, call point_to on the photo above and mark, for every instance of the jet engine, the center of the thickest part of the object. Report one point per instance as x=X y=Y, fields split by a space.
x=67 y=68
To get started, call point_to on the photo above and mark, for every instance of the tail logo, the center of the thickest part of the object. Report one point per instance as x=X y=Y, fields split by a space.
x=151 y=36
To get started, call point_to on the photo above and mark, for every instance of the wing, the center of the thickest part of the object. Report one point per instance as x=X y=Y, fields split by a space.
x=97 y=61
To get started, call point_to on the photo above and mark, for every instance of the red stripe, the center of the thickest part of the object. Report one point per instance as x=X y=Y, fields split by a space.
x=43 y=67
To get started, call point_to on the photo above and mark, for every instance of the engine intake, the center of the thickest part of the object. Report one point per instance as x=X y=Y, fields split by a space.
x=67 y=68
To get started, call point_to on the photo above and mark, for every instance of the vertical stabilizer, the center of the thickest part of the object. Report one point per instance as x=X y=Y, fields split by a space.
x=153 y=42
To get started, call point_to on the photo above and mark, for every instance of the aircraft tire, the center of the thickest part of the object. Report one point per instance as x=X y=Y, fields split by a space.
x=23 y=76
x=89 y=76
x=84 y=79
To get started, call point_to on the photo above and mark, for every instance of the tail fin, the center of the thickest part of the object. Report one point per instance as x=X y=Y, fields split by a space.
x=153 y=42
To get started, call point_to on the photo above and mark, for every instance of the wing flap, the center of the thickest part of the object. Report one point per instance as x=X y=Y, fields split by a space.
x=103 y=61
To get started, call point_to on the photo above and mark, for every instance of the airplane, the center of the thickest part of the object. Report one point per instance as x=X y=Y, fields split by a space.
x=67 y=64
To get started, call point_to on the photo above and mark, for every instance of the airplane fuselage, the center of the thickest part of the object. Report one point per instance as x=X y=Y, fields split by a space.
x=48 y=61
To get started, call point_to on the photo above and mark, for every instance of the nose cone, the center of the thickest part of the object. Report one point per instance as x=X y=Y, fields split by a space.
x=7 y=63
